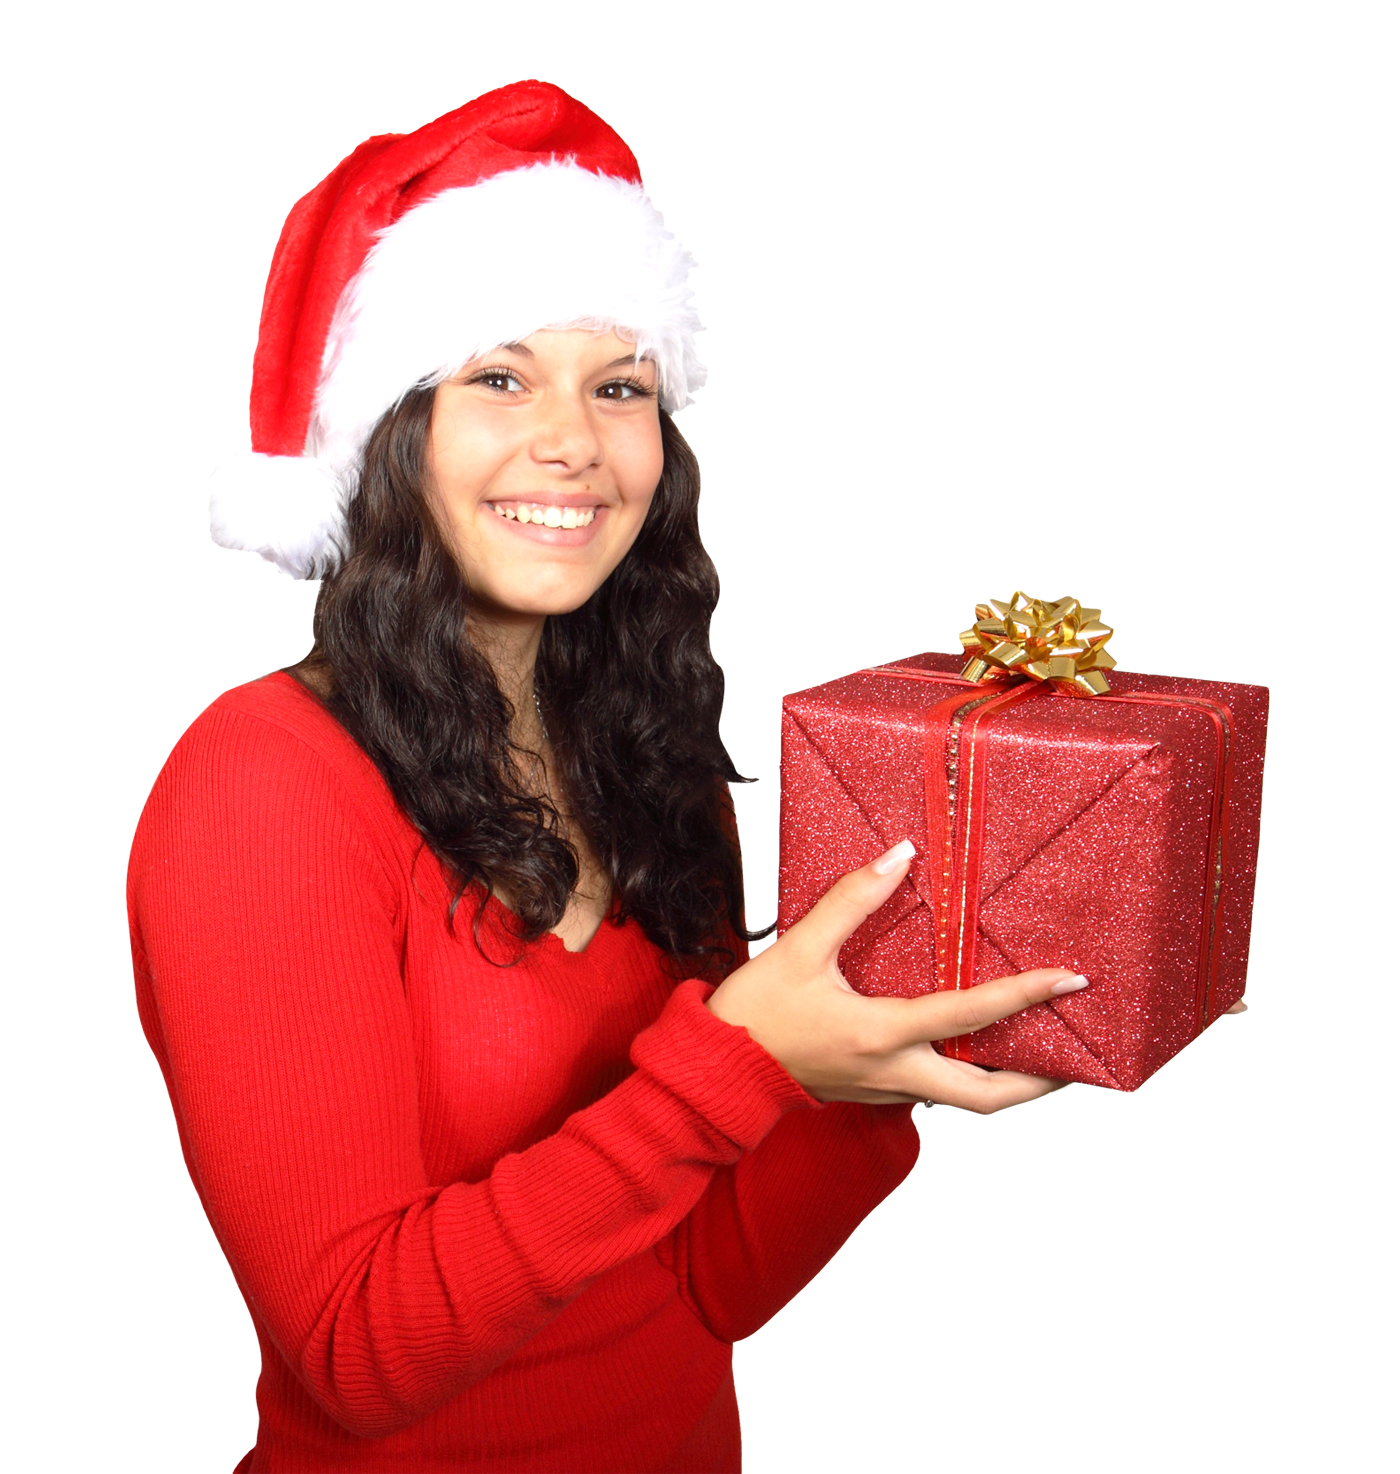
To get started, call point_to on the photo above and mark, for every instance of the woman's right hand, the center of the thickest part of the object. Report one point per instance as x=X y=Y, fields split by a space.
x=839 y=1045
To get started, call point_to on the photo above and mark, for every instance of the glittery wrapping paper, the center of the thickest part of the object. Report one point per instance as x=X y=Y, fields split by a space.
x=1115 y=837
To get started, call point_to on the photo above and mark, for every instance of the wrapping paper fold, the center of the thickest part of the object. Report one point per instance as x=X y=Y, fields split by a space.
x=1116 y=835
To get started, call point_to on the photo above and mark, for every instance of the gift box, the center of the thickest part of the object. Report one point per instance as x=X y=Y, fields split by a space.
x=1059 y=823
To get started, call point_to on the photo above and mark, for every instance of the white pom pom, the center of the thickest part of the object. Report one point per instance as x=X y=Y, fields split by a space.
x=289 y=509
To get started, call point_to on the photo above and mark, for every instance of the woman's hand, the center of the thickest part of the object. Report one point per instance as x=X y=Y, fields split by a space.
x=839 y=1045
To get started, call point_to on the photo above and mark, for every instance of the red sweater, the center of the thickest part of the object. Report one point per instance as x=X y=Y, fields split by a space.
x=483 y=1217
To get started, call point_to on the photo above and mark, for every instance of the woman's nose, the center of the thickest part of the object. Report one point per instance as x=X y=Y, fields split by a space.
x=565 y=434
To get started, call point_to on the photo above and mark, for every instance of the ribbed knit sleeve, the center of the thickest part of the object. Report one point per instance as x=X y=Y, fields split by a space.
x=267 y=942
x=768 y=1224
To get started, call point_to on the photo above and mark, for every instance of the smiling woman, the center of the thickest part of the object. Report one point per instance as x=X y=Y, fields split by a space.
x=501 y=1195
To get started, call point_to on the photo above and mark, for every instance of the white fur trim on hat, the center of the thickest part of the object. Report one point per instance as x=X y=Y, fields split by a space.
x=290 y=509
x=549 y=246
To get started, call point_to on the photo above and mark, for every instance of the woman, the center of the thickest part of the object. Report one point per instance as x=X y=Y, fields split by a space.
x=427 y=930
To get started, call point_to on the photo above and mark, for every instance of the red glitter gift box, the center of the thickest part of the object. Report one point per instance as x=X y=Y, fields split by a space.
x=1114 y=834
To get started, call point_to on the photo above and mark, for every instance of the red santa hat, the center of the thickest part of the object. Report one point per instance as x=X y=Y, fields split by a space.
x=520 y=211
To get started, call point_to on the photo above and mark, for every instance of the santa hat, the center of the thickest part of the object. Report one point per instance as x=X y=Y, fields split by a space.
x=520 y=211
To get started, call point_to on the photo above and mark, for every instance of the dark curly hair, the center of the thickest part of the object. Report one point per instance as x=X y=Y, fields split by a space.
x=629 y=691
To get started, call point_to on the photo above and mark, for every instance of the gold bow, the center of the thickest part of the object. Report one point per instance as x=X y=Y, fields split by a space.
x=1061 y=642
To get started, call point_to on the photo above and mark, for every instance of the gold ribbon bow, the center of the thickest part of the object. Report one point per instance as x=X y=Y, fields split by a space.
x=1062 y=643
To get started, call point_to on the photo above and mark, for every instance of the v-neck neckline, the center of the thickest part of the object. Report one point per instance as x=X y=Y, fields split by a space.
x=608 y=919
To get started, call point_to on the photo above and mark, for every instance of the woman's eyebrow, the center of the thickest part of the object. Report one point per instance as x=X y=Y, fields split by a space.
x=626 y=359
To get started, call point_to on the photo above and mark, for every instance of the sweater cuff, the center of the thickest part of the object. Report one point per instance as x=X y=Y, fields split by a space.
x=717 y=1069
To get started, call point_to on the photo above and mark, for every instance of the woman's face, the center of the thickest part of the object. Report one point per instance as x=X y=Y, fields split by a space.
x=544 y=456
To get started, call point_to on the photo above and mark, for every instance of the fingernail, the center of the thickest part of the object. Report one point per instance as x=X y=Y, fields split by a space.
x=903 y=851
x=1070 y=985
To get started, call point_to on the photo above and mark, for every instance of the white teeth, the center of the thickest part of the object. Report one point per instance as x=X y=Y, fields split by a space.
x=545 y=516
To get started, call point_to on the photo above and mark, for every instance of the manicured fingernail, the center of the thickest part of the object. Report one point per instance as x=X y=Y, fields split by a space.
x=903 y=851
x=1070 y=985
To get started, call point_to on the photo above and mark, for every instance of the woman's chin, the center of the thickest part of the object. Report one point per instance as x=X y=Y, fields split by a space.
x=534 y=600
x=528 y=570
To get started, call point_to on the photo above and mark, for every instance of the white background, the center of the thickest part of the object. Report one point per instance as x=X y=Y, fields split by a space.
x=1096 y=298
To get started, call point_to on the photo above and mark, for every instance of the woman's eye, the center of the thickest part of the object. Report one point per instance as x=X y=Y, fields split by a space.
x=618 y=390
x=500 y=381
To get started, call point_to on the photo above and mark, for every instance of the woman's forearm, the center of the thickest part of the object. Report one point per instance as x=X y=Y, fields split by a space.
x=767 y=1224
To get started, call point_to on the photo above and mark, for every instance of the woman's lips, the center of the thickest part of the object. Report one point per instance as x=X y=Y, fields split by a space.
x=557 y=523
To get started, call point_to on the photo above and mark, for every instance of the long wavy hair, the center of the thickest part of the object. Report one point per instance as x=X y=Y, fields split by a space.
x=628 y=689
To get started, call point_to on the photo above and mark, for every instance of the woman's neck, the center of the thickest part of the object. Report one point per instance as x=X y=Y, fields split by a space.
x=511 y=645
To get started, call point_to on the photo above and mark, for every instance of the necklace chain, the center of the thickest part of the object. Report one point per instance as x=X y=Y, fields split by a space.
x=544 y=731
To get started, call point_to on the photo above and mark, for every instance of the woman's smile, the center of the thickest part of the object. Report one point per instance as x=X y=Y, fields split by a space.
x=550 y=520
